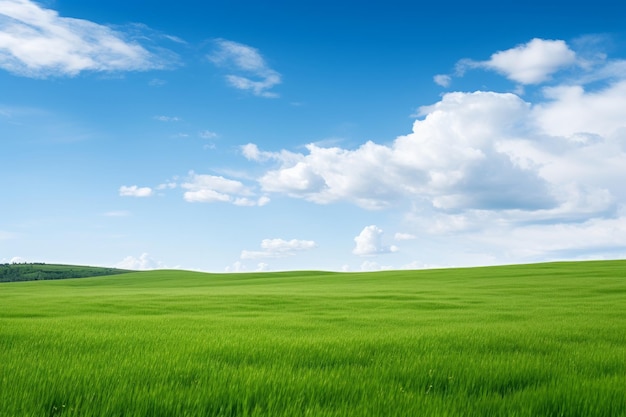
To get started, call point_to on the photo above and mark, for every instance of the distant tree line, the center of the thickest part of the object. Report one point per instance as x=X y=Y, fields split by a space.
x=40 y=271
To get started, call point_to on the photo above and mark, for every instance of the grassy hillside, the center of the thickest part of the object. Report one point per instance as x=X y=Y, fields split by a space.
x=40 y=271
x=533 y=340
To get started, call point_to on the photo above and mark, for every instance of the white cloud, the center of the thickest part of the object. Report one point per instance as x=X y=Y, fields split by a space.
x=207 y=134
x=239 y=267
x=262 y=267
x=594 y=237
x=279 y=248
x=572 y=111
x=531 y=63
x=142 y=263
x=210 y=188
x=258 y=77
x=252 y=152
x=404 y=236
x=478 y=151
x=263 y=200
x=487 y=161
x=168 y=185
x=414 y=265
x=451 y=159
x=370 y=242
x=17 y=260
x=135 y=191
x=167 y=118
x=281 y=245
x=204 y=188
x=37 y=42
x=371 y=266
x=236 y=267
x=444 y=223
x=205 y=195
x=157 y=82
x=542 y=60
x=442 y=80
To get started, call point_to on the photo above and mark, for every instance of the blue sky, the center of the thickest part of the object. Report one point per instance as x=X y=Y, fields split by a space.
x=245 y=135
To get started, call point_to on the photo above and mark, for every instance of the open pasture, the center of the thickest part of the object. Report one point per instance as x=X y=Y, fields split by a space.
x=528 y=340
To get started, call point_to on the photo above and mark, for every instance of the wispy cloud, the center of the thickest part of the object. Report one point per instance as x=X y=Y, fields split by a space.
x=157 y=82
x=135 y=191
x=207 y=134
x=370 y=266
x=404 y=236
x=442 y=80
x=142 y=263
x=168 y=185
x=167 y=118
x=37 y=42
x=251 y=71
x=279 y=248
x=203 y=188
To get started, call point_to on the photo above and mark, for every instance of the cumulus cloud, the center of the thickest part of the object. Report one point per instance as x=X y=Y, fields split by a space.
x=142 y=263
x=478 y=151
x=572 y=111
x=530 y=63
x=370 y=242
x=17 y=260
x=252 y=72
x=484 y=160
x=451 y=159
x=279 y=248
x=252 y=153
x=37 y=42
x=202 y=188
x=135 y=191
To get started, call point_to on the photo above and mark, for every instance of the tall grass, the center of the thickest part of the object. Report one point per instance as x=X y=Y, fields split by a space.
x=534 y=340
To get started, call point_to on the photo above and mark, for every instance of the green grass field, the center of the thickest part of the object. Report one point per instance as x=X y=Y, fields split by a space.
x=533 y=340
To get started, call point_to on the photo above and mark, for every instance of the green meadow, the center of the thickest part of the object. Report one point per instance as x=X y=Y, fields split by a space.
x=528 y=340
